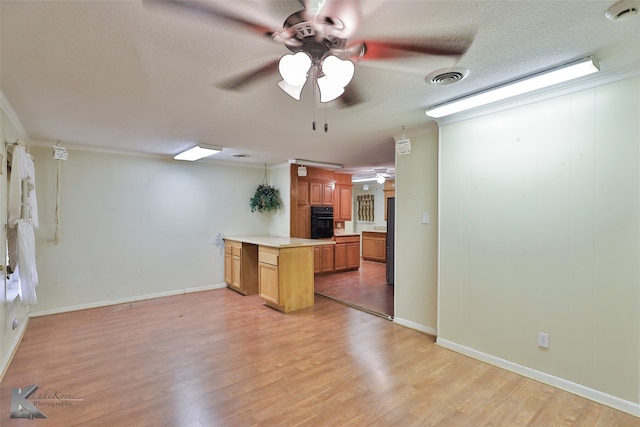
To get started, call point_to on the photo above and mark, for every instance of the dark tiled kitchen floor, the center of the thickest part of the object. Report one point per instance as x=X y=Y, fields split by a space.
x=365 y=288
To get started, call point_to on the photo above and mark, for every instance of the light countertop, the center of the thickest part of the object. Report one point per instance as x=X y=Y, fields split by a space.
x=375 y=231
x=344 y=234
x=280 y=242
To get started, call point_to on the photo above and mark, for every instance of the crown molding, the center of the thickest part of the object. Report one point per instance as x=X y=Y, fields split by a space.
x=13 y=117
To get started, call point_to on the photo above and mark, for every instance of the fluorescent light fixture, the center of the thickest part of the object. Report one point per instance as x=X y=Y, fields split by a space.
x=548 y=78
x=365 y=179
x=198 y=152
x=304 y=162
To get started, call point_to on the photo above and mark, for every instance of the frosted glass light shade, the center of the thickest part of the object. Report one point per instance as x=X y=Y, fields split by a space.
x=291 y=90
x=328 y=90
x=294 y=68
x=337 y=74
x=338 y=71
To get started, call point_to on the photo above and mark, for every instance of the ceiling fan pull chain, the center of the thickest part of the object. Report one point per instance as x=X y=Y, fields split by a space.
x=314 y=97
x=326 y=126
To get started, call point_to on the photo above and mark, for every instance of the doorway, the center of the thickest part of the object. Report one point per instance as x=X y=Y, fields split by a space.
x=365 y=289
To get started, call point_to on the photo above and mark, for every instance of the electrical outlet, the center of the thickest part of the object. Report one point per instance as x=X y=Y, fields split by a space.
x=543 y=340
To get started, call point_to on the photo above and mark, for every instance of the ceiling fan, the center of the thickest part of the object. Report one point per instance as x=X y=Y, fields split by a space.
x=319 y=37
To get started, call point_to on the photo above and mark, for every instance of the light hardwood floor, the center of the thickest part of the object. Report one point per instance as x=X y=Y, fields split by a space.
x=217 y=358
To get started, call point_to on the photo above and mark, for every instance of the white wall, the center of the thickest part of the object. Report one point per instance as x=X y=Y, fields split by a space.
x=9 y=337
x=416 y=267
x=280 y=221
x=540 y=232
x=135 y=226
x=378 y=206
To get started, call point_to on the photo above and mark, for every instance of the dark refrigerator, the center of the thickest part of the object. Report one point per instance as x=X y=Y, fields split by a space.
x=391 y=231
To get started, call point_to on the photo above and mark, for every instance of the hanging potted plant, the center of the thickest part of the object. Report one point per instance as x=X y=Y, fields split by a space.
x=266 y=198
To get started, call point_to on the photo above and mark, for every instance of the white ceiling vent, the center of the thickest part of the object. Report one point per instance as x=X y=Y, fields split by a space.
x=625 y=9
x=447 y=76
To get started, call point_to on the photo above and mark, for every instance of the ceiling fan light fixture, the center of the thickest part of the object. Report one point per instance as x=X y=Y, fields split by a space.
x=291 y=90
x=545 y=79
x=294 y=68
x=339 y=71
x=336 y=74
x=380 y=179
x=328 y=90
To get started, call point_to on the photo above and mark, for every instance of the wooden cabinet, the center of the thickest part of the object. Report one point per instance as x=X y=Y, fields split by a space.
x=285 y=277
x=320 y=193
x=239 y=274
x=303 y=221
x=342 y=207
x=347 y=253
x=374 y=246
x=323 y=259
x=303 y=193
x=268 y=275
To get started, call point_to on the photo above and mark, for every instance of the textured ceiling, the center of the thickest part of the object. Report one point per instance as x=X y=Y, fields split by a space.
x=138 y=77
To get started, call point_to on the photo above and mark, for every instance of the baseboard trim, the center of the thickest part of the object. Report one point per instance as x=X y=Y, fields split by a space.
x=578 y=389
x=126 y=300
x=14 y=347
x=417 y=326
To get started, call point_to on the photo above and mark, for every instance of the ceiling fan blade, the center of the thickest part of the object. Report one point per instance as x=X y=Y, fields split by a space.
x=351 y=96
x=372 y=50
x=241 y=81
x=211 y=10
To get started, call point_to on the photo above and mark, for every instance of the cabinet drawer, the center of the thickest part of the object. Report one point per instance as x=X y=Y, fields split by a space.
x=236 y=251
x=268 y=256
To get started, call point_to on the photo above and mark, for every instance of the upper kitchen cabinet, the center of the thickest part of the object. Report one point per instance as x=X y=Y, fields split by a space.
x=303 y=192
x=321 y=193
x=318 y=187
x=342 y=198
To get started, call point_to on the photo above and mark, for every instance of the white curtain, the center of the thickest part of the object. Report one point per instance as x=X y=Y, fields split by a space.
x=22 y=211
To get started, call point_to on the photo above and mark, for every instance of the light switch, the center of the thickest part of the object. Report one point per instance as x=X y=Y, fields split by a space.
x=425 y=217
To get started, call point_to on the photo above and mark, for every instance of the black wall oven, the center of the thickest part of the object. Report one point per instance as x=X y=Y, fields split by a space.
x=321 y=222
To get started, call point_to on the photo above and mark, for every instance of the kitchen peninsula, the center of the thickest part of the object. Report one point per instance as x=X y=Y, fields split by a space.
x=280 y=269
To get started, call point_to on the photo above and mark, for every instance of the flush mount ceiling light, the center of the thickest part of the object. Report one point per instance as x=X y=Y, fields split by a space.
x=548 y=78
x=314 y=163
x=198 y=152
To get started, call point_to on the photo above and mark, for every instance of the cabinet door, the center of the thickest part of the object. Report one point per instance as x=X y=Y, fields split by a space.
x=327 y=258
x=340 y=257
x=315 y=193
x=268 y=279
x=228 y=268
x=236 y=277
x=327 y=194
x=343 y=202
x=353 y=255
x=303 y=222
x=303 y=193
x=317 y=259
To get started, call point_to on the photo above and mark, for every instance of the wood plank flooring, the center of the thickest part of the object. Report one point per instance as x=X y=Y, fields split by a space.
x=366 y=287
x=218 y=358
